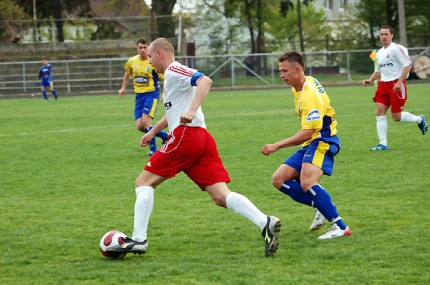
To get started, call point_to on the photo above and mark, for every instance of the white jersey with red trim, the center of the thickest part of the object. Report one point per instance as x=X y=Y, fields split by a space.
x=179 y=91
x=391 y=60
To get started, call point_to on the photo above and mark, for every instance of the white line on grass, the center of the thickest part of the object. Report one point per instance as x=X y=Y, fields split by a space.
x=73 y=130
x=210 y=116
x=248 y=114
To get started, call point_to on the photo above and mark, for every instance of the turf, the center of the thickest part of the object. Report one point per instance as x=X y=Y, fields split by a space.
x=67 y=176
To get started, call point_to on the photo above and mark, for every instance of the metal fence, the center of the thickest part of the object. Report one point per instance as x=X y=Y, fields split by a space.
x=104 y=75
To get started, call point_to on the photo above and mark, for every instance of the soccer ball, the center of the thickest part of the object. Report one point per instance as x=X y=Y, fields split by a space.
x=110 y=240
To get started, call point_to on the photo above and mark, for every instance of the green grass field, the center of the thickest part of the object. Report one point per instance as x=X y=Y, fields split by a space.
x=67 y=176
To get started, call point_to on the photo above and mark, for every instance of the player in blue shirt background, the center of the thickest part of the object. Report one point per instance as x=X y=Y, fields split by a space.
x=47 y=79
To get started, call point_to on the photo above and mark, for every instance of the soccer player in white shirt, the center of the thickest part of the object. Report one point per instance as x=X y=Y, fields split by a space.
x=392 y=66
x=191 y=149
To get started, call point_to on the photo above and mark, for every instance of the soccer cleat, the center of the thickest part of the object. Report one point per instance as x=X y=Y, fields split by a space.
x=136 y=247
x=319 y=221
x=335 y=232
x=270 y=234
x=150 y=153
x=423 y=125
x=379 y=147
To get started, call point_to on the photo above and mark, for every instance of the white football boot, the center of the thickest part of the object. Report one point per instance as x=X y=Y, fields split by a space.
x=319 y=221
x=335 y=232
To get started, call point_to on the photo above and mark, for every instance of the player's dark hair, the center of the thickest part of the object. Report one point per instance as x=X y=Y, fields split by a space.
x=387 y=27
x=141 y=41
x=293 y=57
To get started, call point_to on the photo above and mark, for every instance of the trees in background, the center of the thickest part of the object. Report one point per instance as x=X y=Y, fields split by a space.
x=254 y=26
x=296 y=24
x=57 y=10
x=266 y=25
x=377 y=13
x=165 y=24
x=111 y=18
x=303 y=28
x=418 y=22
x=10 y=30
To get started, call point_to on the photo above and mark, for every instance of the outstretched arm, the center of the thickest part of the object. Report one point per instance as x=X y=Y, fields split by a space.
x=375 y=75
x=298 y=138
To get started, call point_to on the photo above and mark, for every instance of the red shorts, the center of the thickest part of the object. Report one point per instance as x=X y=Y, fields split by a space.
x=386 y=95
x=192 y=150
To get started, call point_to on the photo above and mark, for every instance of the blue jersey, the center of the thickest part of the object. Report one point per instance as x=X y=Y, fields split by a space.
x=45 y=73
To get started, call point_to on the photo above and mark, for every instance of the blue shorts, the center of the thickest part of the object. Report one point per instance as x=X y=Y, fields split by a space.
x=146 y=103
x=47 y=84
x=319 y=152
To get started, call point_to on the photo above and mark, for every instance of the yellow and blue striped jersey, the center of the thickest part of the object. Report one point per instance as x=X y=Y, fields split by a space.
x=145 y=79
x=314 y=111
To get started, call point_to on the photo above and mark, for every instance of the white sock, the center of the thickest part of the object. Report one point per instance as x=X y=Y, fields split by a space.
x=142 y=212
x=381 y=129
x=244 y=207
x=410 y=118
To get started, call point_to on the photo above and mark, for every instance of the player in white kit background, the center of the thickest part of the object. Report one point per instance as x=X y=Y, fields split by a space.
x=392 y=66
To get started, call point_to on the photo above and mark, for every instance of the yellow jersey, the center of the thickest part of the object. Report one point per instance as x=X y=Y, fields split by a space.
x=314 y=111
x=145 y=79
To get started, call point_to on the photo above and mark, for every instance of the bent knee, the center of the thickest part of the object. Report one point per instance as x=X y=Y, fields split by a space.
x=277 y=182
x=220 y=201
x=306 y=185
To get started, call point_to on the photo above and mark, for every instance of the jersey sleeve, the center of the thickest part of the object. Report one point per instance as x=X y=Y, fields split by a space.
x=377 y=68
x=127 y=67
x=196 y=77
x=185 y=73
x=403 y=56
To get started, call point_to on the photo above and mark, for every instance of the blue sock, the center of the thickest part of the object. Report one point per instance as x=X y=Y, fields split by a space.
x=293 y=189
x=153 y=143
x=44 y=95
x=55 y=93
x=162 y=135
x=322 y=201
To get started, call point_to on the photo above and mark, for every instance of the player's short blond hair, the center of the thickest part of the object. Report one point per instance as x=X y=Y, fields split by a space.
x=163 y=44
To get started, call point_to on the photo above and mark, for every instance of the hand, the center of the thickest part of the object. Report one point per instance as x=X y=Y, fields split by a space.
x=397 y=87
x=121 y=93
x=146 y=139
x=366 y=82
x=268 y=149
x=187 y=117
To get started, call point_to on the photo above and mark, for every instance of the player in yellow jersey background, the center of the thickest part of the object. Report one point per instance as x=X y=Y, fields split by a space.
x=146 y=87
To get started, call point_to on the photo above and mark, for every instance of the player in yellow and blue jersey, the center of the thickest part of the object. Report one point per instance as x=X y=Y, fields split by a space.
x=146 y=87
x=299 y=175
x=46 y=79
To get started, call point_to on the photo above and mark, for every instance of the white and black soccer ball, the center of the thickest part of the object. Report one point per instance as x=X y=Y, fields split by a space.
x=112 y=240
